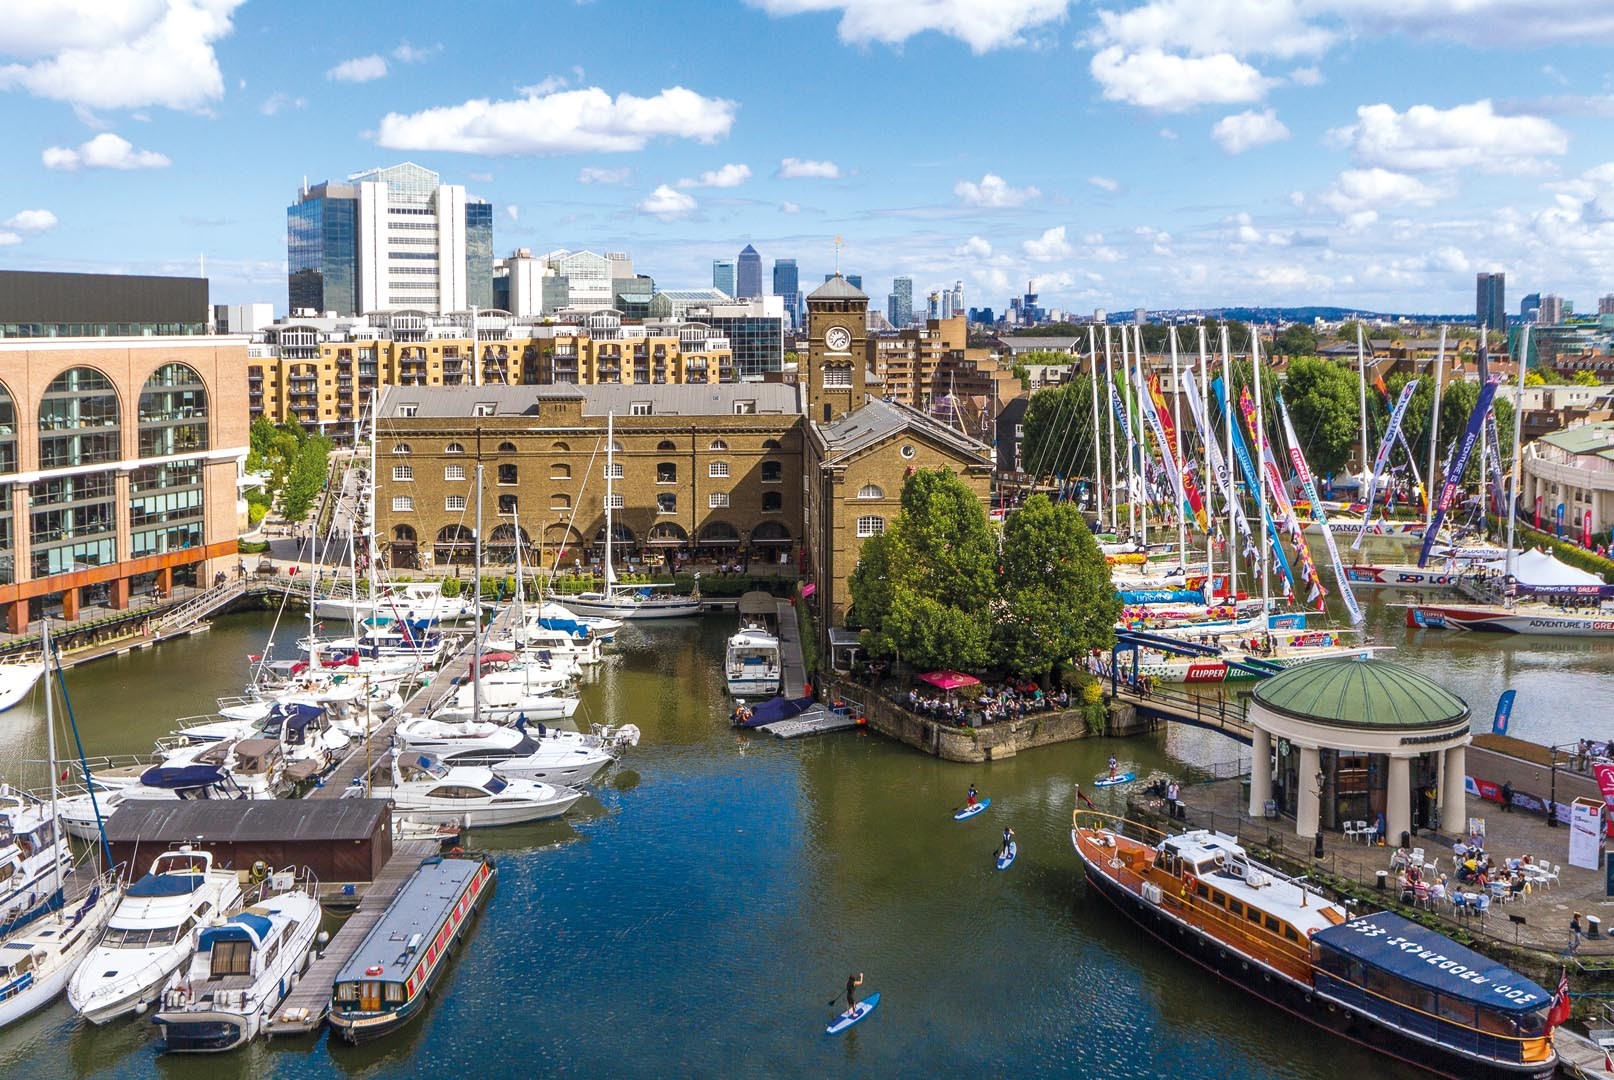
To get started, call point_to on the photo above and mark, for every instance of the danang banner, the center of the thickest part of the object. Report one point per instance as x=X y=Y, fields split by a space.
x=1397 y=415
x=1454 y=475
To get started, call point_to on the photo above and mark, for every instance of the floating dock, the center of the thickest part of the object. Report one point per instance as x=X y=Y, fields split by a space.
x=790 y=657
x=818 y=720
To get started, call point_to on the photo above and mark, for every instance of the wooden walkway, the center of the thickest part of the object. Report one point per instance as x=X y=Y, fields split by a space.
x=790 y=656
x=1172 y=703
x=304 y=1009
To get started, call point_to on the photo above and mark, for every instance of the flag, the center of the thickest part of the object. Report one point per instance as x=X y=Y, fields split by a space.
x=1454 y=475
x=1397 y=415
x=1504 y=710
x=1384 y=391
x=1608 y=1062
x=1560 y=1001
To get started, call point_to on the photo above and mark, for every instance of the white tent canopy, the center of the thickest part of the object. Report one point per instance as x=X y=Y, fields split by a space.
x=1537 y=569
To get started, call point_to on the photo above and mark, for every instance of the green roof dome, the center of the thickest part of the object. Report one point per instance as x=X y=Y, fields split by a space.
x=1361 y=693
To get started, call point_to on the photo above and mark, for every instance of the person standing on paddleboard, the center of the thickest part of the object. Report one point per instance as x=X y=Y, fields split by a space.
x=1008 y=838
x=852 y=983
x=1113 y=766
x=969 y=798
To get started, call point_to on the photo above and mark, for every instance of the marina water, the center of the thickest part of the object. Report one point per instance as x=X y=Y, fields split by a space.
x=696 y=915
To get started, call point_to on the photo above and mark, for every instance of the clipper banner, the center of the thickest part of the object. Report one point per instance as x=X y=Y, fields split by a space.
x=1165 y=430
x=1280 y=495
x=1383 y=458
x=1213 y=451
x=1454 y=475
x=1303 y=474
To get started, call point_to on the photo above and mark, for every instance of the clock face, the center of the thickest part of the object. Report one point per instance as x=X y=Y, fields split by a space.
x=837 y=338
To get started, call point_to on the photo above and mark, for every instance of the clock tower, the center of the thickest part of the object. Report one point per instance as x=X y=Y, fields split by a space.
x=837 y=358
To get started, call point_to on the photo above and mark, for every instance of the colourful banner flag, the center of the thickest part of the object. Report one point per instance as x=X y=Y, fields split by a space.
x=1251 y=477
x=1280 y=498
x=1454 y=475
x=1383 y=457
x=1309 y=486
x=1188 y=496
x=1219 y=466
x=1504 y=711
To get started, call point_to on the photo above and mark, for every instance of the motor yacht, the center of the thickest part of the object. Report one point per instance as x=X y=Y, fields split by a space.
x=751 y=663
x=424 y=789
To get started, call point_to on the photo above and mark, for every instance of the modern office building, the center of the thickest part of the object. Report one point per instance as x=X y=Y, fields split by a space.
x=787 y=286
x=242 y=318
x=1553 y=310
x=899 y=305
x=724 y=275
x=38 y=304
x=389 y=239
x=754 y=329
x=958 y=298
x=677 y=303
x=748 y=275
x=1530 y=306
x=1490 y=301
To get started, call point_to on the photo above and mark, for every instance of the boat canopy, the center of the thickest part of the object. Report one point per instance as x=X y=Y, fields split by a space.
x=296 y=715
x=1538 y=572
x=182 y=777
x=246 y=926
x=1419 y=955
x=156 y=885
x=570 y=627
x=949 y=680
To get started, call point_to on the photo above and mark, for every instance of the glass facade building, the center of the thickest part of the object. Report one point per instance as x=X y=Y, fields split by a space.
x=748 y=274
x=787 y=283
x=479 y=254
x=899 y=306
x=757 y=341
x=322 y=251
x=723 y=276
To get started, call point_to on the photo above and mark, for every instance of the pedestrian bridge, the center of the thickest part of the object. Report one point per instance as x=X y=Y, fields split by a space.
x=1183 y=707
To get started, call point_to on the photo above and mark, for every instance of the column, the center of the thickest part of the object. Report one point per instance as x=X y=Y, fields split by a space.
x=70 y=605
x=1397 y=800
x=1260 y=770
x=120 y=594
x=17 y=617
x=1453 y=791
x=1308 y=803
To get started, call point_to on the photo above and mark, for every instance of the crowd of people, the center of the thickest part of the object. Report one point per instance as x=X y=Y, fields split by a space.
x=996 y=702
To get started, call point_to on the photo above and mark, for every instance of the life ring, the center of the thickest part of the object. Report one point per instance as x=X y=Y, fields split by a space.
x=1187 y=883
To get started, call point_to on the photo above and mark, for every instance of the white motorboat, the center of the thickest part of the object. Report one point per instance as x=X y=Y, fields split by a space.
x=554 y=638
x=240 y=972
x=751 y=663
x=151 y=934
x=17 y=678
x=459 y=742
x=405 y=600
x=194 y=779
x=556 y=761
x=604 y=629
x=34 y=853
x=303 y=730
x=473 y=796
x=37 y=961
x=509 y=701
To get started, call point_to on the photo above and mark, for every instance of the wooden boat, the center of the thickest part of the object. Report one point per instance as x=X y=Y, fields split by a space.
x=1378 y=980
x=386 y=982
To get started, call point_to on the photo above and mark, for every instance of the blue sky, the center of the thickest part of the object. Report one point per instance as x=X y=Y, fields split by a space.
x=1159 y=153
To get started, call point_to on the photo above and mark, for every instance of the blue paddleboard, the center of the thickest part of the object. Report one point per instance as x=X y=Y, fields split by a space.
x=971 y=811
x=862 y=1009
x=1118 y=778
x=1006 y=861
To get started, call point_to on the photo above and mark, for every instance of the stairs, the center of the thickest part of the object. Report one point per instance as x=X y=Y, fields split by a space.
x=199 y=607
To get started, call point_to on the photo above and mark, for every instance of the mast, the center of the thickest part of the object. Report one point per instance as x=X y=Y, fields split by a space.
x=1232 y=476
x=1131 y=452
x=1135 y=419
x=610 y=459
x=1209 y=486
x=1109 y=392
x=1176 y=439
x=50 y=746
x=1098 y=465
x=1434 y=436
x=476 y=376
x=521 y=584
x=1361 y=390
x=476 y=650
x=1260 y=463
x=1518 y=414
x=1485 y=525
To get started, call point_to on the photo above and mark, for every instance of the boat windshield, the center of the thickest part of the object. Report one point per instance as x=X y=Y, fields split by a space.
x=495 y=785
x=121 y=937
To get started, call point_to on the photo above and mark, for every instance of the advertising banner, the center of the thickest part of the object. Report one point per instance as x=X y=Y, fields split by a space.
x=1303 y=474
x=1459 y=463
x=1559 y=520
x=1504 y=710
x=1586 y=834
x=1241 y=453
x=1383 y=458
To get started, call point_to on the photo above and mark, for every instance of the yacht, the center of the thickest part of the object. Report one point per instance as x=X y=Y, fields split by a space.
x=33 y=854
x=424 y=789
x=151 y=934
x=37 y=961
x=195 y=779
x=242 y=969
x=17 y=678
x=554 y=760
x=405 y=600
x=604 y=629
x=751 y=665
x=556 y=638
x=461 y=742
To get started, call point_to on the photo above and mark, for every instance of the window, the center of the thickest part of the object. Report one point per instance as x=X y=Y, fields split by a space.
x=483 y=408
x=403 y=504
x=718 y=470
x=772 y=502
x=770 y=444
x=745 y=408
x=401 y=449
x=559 y=501
x=408 y=410
x=870 y=525
x=666 y=472
x=665 y=445
x=870 y=491
x=838 y=378
x=562 y=447
x=453 y=472
x=507 y=474
x=615 y=502
x=453 y=448
x=718 y=444
x=717 y=500
x=507 y=504
x=907 y=450
x=772 y=472
x=403 y=472
x=639 y=408
x=613 y=471
x=666 y=503
x=507 y=448
x=395 y=992
x=560 y=471
x=230 y=958
x=454 y=502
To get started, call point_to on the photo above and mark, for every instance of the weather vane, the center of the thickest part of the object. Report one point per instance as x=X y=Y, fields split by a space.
x=839 y=243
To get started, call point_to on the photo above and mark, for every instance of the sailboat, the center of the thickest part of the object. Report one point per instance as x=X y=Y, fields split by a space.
x=37 y=960
x=628 y=601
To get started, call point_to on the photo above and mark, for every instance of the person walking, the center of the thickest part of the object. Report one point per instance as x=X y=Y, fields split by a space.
x=1574 y=934
x=1507 y=797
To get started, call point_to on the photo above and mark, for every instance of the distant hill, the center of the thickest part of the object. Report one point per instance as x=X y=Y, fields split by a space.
x=1327 y=314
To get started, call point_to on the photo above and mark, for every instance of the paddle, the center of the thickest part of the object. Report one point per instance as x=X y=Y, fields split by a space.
x=842 y=994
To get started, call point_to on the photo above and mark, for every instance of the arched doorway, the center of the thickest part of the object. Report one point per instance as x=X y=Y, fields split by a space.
x=501 y=546
x=403 y=553
x=455 y=546
x=719 y=534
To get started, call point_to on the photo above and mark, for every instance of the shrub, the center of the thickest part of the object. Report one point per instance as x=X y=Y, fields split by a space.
x=256 y=512
x=451 y=587
x=252 y=547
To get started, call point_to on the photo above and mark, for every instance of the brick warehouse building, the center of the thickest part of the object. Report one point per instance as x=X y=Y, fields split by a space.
x=120 y=457
x=800 y=472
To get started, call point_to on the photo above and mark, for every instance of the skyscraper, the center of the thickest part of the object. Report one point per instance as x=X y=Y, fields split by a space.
x=1490 y=301
x=748 y=274
x=787 y=284
x=1553 y=310
x=1531 y=303
x=1605 y=304
x=958 y=298
x=945 y=305
x=899 y=308
x=723 y=275
x=389 y=238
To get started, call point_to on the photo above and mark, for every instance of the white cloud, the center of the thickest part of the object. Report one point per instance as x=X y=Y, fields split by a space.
x=1249 y=129
x=789 y=208
x=726 y=177
x=1306 y=76
x=1152 y=79
x=406 y=53
x=9 y=238
x=1245 y=232
x=96 y=55
x=1377 y=189
x=592 y=175
x=983 y=25
x=1207 y=27
x=993 y=191
x=976 y=247
x=513 y=212
x=546 y=85
x=1168 y=134
x=802 y=169
x=279 y=101
x=1105 y=183
x=1049 y=246
x=1527 y=23
x=570 y=121
x=105 y=151
x=668 y=204
x=29 y=221
x=1473 y=136
x=360 y=69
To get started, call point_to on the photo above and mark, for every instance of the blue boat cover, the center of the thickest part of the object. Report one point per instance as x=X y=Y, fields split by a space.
x=182 y=776
x=1422 y=956
x=243 y=927
x=565 y=626
x=297 y=715
x=779 y=708
x=165 y=885
x=1162 y=596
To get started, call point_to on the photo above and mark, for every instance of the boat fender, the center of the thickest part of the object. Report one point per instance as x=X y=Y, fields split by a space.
x=1311 y=932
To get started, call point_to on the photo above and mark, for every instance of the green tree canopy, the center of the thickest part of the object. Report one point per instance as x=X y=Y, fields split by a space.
x=1585 y=378
x=1324 y=404
x=1058 y=436
x=1056 y=599
x=1296 y=339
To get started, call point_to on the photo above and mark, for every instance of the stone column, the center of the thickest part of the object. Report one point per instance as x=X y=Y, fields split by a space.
x=1398 y=800
x=1260 y=770
x=1453 y=793
x=70 y=605
x=1308 y=804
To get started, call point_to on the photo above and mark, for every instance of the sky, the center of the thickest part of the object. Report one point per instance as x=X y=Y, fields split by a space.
x=1370 y=154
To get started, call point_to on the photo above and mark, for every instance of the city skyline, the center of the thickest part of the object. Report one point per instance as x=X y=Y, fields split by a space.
x=1363 y=155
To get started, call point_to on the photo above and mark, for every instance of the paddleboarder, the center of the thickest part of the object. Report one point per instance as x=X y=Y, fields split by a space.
x=969 y=799
x=852 y=983
x=1008 y=838
x=1113 y=766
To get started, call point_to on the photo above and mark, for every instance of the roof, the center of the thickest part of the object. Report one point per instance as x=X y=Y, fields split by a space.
x=880 y=419
x=757 y=602
x=1594 y=438
x=451 y=401
x=1421 y=956
x=419 y=908
x=247 y=926
x=1361 y=693
x=226 y=821
x=837 y=288
x=711 y=399
x=1019 y=345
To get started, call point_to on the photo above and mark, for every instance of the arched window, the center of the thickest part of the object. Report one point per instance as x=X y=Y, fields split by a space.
x=616 y=447
x=772 y=502
x=666 y=472
x=667 y=534
x=560 y=501
x=455 y=546
x=559 y=470
x=507 y=448
x=770 y=532
x=507 y=473
x=770 y=444
x=403 y=534
x=720 y=534
x=401 y=448
x=78 y=420
x=562 y=447
x=173 y=412
x=772 y=472
x=666 y=444
x=666 y=503
x=870 y=491
x=453 y=448
x=718 y=444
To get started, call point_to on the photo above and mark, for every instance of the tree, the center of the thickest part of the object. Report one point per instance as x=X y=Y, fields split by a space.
x=1058 y=435
x=1534 y=378
x=1584 y=378
x=1056 y=601
x=923 y=589
x=1296 y=339
x=306 y=477
x=1324 y=405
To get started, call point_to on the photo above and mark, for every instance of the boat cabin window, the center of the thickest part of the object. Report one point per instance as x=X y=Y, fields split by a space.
x=1235 y=906
x=454 y=791
x=1289 y=932
x=1201 y=891
x=271 y=952
x=347 y=991
x=495 y=785
x=230 y=958
x=118 y=937
x=1272 y=924
x=395 y=991
x=6 y=870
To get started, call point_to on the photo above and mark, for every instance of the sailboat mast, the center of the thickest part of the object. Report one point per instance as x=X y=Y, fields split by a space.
x=1232 y=476
x=1109 y=393
x=1139 y=388
x=1209 y=485
x=1260 y=464
x=476 y=600
x=1131 y=452
x=50 y=745
x=1361 y=391
x=1176 y=449
x=1518 y=413
x=610 y=461
x=1098 y=465
x=1434 y=436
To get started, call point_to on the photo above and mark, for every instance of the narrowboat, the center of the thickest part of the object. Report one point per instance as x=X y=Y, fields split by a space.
x=1378 y=980
x=385 y=984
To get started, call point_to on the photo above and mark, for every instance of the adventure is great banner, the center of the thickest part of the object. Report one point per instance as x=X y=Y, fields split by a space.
x=1459 y=462
x=1383 y=458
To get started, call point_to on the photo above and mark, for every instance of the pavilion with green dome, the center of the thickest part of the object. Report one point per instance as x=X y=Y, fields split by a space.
x=1356 y=738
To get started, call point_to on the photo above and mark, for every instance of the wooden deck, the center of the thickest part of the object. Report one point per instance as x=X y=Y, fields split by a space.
x=1176 y=703
x=790 y=655
x=304 y=1009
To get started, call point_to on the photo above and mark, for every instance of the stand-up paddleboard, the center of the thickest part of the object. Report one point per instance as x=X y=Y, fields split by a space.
x=971 y=811
x=1006 y=861
x=1118 y=778
x=843 y=1021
